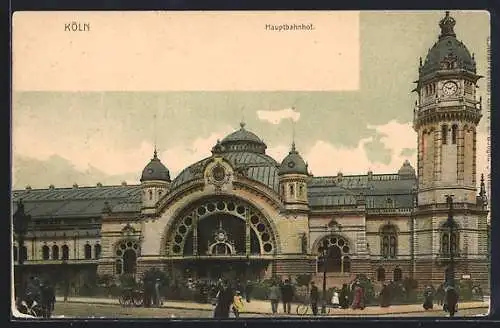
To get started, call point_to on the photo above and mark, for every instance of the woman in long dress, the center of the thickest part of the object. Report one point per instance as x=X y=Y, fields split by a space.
x=358 y=299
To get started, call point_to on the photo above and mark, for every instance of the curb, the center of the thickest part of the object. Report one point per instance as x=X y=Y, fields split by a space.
x=265 y=313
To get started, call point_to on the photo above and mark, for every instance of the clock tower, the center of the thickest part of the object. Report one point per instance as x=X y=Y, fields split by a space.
x=445 y=117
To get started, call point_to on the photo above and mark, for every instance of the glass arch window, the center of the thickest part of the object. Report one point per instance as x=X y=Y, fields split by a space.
x=337 y=250
x=126 y=261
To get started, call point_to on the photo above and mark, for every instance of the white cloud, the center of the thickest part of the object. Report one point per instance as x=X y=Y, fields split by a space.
x=327 y=159
x=276 y=116
x=278 y=152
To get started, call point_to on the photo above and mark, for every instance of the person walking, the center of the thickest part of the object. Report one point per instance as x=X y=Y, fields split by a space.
x=344 y=297
x=385 y=296
x=158 y=301
x=358 y=298
x=335 y=298
x=237 y=304
x=314 y=298
x=440 y=295
x=287 y=296
x=274 y=297
x=224 y=301
x=450 y=300
x=428 y=298
x=248 y=290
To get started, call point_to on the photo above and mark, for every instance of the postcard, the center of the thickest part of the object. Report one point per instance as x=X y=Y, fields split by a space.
x=234 y=165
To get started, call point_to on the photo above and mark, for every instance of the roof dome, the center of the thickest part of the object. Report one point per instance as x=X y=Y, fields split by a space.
x=243 y=140
x=155 y=170
x=293 y=163
x=448 y=52
x=406 y=171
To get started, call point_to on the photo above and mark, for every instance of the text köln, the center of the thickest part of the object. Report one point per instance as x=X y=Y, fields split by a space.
x=77 y=27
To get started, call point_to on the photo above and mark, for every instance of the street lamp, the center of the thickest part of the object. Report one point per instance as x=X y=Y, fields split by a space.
x=450 y=223
x=21 y=222
x=324 y=255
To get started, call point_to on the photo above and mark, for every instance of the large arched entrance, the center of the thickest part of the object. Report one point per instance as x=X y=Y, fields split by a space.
x=221 y=237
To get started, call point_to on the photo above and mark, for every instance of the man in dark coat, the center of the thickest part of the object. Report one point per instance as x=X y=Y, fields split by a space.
x=287 y=296
x=248 y=291
x=428 y=298
x=314 y=298
x=47 y=299
x=224 y=301
x=344 y=297
x=385 y=296
x=450 y=300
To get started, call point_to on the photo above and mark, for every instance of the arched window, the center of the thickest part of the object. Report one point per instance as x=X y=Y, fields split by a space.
x=337 y=251
x=15 y=253
x=398 y=274
x=291 y=190
x=301 y=190
x=55 y=252
x=380 y=274
x=97 y=251
x=129 y=261
x=24 y=253
x=454 y=130
x=150 y=195
x=88 y=252
x=118 y=266
x=45 y=252
x=282 y=190
x=159 y=193
x=65 y=252
x=389 y=241
x=444 y=134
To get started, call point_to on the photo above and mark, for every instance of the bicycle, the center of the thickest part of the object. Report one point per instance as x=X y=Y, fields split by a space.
x=305 y=308
x=131 y=298
x=33 y=310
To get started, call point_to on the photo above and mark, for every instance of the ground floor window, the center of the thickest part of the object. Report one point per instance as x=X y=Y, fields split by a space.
x=398 y=274
x=337 y=258
x=380 y=274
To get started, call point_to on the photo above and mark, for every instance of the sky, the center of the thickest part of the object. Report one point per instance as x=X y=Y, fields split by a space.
x=63 y=137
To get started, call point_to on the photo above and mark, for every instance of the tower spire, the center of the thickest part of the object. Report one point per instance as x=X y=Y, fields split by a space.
x=155 y=153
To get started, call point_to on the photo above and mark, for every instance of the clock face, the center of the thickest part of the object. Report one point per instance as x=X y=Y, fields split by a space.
x=450 y=88
x=291 y=164
x=221 y=235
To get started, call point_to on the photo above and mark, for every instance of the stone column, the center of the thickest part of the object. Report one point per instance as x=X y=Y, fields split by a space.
x=247 y=231
x=195 y=233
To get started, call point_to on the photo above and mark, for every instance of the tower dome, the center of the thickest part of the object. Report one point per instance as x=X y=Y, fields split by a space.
x=293 y=163
x=406 y=171
x=155 y=170
x=243 y=140
x=448 y=53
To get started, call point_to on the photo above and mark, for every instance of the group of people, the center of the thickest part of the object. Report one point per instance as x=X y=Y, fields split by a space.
x=152 y=294
x=284 y=291
x=39 y=295
x=228 y=298
x=447 y=296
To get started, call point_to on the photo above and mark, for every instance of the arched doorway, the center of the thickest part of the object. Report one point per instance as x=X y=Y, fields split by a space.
x=126 y=256
x=129 y=261
x=216 y=236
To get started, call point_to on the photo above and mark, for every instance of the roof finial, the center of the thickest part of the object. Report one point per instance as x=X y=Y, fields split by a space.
x=446 y=24
x=155 y=153
x=242 y=123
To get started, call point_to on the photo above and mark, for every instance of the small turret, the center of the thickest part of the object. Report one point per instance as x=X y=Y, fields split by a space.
x=293 y=176
x=155 y=183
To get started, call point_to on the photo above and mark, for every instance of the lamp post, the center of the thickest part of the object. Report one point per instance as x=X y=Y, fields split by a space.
x=324 y=255
x=451 y=241
x=21 y=222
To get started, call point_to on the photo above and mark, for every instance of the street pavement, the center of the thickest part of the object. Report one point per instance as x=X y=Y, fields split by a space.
x=108 y=307
x=85 y=310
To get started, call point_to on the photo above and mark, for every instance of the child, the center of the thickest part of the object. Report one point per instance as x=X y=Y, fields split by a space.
x=237 y=304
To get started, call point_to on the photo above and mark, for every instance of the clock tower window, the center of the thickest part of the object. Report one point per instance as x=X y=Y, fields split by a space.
x=291 y=191
x=150 y=195
x=444 y=134
x=454 y=130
